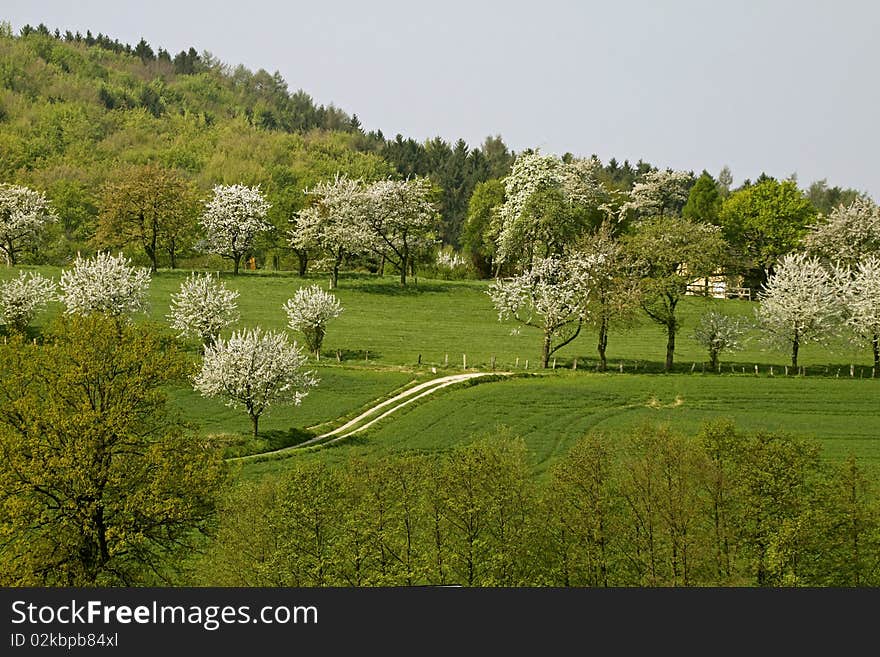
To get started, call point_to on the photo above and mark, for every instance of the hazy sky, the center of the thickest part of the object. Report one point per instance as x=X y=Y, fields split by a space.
x=779 y=87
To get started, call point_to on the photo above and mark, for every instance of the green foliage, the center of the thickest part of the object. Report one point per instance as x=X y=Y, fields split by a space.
x=480 y=230
x=704 y=200
x=762 y=223
x=658 y=508
x=99 y=483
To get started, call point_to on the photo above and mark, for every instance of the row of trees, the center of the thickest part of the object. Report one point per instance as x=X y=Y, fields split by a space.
x=252 y=369
x=654 y=509
x=575 y=253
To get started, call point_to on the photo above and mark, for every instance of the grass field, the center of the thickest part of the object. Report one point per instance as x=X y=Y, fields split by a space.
x=551 y=412
x=374 y=348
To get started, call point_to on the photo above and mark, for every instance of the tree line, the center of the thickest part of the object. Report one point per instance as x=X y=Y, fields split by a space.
x=722 y=508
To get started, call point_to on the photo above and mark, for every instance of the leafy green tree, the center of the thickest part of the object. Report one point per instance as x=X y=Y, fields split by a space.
x=481 y=226
x=762 y=223
x=100 y=484
x=669 y=253
x=704 y=201
x=152 y=207
x=583 y=511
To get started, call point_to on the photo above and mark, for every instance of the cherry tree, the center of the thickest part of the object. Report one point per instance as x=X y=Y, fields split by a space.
x=614 y=291
x=104 y=284
x=233 y=217
x=255 y=369
x=202 y=308
x=23 y=213
x=334 y=223
x=799 y=304
x=23 y=297
x=552 y=296
x=399 y=220
x=546 y=205
x=861 y=296
x=717 y=332
x=849 y=234
x=309 y=311
x=659 y=193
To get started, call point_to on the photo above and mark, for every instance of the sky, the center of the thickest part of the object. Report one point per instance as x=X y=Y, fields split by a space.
x=758 y=85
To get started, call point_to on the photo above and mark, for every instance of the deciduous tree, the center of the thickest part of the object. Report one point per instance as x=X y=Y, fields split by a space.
x=23 y=214
x=233 y=217
x=800 y=304
x=255 y=369
x=100 y=483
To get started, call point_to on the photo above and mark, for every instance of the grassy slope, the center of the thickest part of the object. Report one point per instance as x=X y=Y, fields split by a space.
x=434 y=318
x=552 y=411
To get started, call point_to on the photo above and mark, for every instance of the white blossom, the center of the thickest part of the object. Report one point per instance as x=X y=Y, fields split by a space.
x=531 y=173
x=253 y=370
x=335 y=223
x=203 y=307
x=849 y=234
x=104 y=284
x=309 y=311
x=659 y=193
x=399 y=220
x=23 y=297
x=553 y=296
x=861 y=296
x=233 y=217
x=23 y=212
x=717 y=332
x=799 y=304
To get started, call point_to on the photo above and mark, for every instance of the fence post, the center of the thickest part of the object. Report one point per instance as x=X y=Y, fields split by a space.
x=517 y=362
x=574 y=365
x=338 y=356
x=771 y=370
x=852 y=371
x=621 y=367
x=493 y=363
x=756 y=370
x=446 y=360
x=464 y=361
x=367 y=355
x=554 y=363
x=420 y=359
x=527 y=363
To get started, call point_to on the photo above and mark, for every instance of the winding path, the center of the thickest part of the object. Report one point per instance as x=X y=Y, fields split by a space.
x=375 y=413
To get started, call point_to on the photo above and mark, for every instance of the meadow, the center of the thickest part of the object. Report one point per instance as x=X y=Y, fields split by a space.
x=389 y=337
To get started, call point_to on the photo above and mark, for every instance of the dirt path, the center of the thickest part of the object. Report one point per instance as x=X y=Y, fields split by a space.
x=380 y=411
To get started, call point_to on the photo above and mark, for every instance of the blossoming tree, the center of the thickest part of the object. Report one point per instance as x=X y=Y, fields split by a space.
x=23 y=297
x=104 y=284
x=233 y=217
x=861 y=296
x=255 y=369
x=552 y=296
x=799 y=304
x=23 y=213
x=202 y=308
x=849 y=234
x=309 y=311
x=334 y=223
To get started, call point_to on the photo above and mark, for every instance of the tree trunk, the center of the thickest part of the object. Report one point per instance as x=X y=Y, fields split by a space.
x=403 y=271
x=670 y=346
x=713 y=359
x=235 y=260
x=545 y=350
x=303 y=257
x=795 y=345
x=334 y=277
x=875 y=345
x=603 y=344
x=172 y=254
x=255 y=419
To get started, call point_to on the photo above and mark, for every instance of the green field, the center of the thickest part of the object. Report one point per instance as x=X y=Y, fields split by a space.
x=375 y=346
